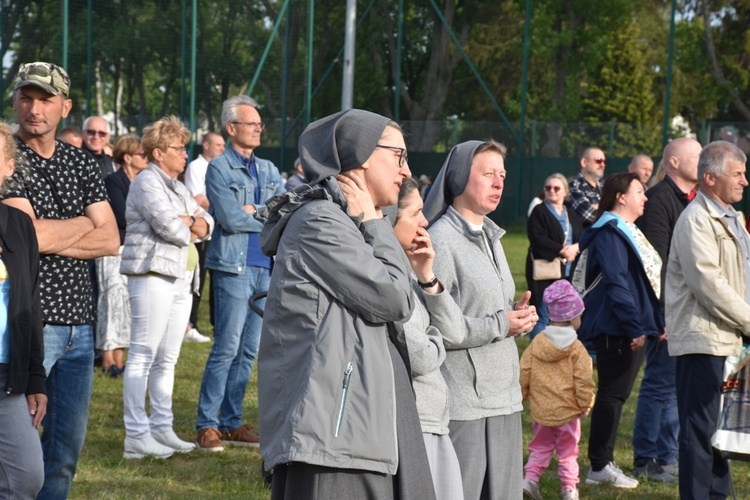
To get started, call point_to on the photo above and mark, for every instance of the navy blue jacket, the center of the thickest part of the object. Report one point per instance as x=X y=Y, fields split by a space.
x=624 y=303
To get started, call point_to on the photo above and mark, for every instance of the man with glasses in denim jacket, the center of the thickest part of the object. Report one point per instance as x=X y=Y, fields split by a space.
x=238 y=183
x=586 y=187
x=95 y=137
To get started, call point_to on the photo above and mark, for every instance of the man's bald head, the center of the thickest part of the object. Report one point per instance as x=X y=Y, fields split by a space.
x=681 y=160
x=642 y=166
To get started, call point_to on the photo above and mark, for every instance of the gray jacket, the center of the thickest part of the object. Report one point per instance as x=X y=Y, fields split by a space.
x=426 y=355
x=481 y=366
x=325 y=379
x=156 y=239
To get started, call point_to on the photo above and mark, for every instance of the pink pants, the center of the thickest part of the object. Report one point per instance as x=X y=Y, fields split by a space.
x=547 y=440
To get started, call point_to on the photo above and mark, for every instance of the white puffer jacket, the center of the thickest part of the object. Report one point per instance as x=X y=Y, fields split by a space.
x=156 y=239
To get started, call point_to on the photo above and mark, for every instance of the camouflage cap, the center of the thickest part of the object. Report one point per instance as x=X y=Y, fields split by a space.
x=47 y=76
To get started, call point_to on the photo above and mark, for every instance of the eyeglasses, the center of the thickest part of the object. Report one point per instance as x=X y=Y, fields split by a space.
x=94 y=133
x=258 y=125
x=549 y=189
x=142 y=154
x=403 y=157
x=600 y=161
x=180 y=149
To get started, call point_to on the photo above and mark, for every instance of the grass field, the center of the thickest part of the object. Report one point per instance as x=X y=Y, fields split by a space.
x=102 y=473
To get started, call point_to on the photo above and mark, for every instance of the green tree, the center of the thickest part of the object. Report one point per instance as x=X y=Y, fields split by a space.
x=623 y=92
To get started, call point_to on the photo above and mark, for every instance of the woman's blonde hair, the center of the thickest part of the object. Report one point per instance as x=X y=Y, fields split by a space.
x=128 y=144
x=492 y=146
x=560 y=177
x=161 y=133
x=9 y=154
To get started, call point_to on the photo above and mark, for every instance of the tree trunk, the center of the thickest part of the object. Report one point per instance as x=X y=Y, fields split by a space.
x=440 y=69
x=716 y=71
x=98 y=87
x=553 y=140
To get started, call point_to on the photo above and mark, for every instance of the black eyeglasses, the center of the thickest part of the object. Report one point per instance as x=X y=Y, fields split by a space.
x=93 y=133
x=258 y=125
x=142 y=154
x=552 y=188
x=403 y=157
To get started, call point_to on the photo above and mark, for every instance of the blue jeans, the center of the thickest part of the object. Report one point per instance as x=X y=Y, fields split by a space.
x=543 y=312
x=656 y=423
x=69 y=363
x=236 y=341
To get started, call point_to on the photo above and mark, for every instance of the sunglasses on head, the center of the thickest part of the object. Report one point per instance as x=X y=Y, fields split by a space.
x=600 y=161
x=552 y=188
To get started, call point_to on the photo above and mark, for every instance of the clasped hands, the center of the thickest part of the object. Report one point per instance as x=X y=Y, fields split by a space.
x=523 y=317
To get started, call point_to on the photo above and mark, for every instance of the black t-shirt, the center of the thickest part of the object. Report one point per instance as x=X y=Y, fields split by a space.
x=60 y=187
x=106 y=165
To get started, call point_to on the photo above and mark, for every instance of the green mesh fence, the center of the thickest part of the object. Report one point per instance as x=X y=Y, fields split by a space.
x=132 y=61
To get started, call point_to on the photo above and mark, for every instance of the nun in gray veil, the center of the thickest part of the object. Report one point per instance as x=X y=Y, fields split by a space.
x=479 y=320
x=337 y=413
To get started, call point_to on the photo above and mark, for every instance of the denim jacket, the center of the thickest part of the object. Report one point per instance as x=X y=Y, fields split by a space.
x=229 y=186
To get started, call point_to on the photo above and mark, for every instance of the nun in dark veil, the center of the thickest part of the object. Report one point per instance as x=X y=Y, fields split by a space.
x=337 y=413
x=479 y=320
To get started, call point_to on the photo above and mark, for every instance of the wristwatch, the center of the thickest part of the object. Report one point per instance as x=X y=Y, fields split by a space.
x=192 y=220
x=429 y=284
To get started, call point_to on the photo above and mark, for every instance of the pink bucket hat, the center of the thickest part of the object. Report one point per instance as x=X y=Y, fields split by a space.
x=563 y=302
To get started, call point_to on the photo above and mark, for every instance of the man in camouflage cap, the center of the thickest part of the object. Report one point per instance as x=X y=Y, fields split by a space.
x=47 y=76
x=64 y=195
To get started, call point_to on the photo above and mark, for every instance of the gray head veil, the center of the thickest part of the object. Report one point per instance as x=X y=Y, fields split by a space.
x=339 y=142
x=451 y=180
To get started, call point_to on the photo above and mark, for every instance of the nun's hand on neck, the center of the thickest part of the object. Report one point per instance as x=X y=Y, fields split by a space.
x=357 y=195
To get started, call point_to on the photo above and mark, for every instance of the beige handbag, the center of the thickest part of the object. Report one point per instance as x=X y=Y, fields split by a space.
x=545 y=270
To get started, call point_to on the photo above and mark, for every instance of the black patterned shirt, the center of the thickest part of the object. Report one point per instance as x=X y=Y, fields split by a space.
x=60 y=187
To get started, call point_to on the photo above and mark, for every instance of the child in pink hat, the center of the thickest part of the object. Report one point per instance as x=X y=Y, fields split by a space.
x=556 y=378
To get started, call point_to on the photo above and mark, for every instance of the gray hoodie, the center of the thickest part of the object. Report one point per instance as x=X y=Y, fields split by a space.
x=426 y=355
x=481 y=366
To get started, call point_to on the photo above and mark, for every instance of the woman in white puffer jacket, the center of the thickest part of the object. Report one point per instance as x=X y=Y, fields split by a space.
x=161 y=260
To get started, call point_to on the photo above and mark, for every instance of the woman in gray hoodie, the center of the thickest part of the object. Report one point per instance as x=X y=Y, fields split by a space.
x=478 y=320
x=425 y=345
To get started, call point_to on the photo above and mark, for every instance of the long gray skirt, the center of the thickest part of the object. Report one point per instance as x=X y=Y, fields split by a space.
x=113 y=305
x=446 y=471
x=300 y=481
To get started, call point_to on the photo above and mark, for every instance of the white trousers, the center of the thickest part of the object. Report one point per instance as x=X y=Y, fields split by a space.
x=160 y=307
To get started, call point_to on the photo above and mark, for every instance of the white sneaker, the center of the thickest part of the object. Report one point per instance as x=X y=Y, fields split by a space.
x=531 y=489
x=145 y=447
x=570 y=494
x=194 y=335
x=613 y=475
x=170 y=440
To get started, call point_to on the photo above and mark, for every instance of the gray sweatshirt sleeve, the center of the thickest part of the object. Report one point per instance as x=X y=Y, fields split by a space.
x=425 y=344
x=460 y=331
